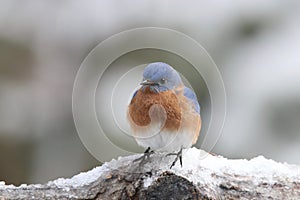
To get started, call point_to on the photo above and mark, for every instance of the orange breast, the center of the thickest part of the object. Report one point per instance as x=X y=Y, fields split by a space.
x=141 y=103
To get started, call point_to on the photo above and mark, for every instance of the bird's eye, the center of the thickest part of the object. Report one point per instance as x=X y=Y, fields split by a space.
x=162 y=81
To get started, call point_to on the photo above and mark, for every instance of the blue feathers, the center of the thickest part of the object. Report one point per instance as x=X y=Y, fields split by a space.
x=156 y=71
x=165 y=77
x=134 y=94
x=192 y=96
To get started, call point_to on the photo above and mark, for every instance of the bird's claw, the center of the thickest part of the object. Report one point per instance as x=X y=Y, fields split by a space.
x=178 y=155
x=145 y=157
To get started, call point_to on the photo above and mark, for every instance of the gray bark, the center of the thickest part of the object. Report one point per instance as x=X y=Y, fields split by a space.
x=125 y=179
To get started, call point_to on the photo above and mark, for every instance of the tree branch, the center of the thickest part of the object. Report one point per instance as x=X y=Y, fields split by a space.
x=203 y=176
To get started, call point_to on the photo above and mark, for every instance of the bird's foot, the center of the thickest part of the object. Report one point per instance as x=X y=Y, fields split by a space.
x=178 y=155
x=144 y=158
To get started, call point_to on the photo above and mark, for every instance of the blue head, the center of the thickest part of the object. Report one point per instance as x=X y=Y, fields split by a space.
x=160 y=77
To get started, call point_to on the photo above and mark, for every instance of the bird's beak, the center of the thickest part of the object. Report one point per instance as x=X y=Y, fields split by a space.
x=147 y=82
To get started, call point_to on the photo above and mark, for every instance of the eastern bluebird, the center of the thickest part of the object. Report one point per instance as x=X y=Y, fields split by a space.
x=164 y=114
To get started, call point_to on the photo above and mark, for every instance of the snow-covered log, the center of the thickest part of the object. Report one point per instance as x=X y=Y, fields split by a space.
x=203 y=176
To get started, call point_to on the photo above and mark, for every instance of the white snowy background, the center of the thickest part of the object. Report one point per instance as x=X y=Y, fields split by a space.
x=255 y=44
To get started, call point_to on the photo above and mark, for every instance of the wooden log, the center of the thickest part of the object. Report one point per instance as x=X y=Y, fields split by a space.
x=203 y=176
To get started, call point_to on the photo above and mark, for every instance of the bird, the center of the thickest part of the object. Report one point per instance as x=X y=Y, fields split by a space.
x=163 y=113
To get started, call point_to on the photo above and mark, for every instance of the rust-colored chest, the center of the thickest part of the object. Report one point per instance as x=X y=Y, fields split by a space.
x=142 y=102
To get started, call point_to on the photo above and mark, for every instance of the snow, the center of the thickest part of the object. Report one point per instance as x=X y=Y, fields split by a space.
x=148 y=181
x=76 y=181
x=84 y=178
x=198 y=167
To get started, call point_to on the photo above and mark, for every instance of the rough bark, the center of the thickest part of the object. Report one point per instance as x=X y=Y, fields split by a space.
x=209 y=177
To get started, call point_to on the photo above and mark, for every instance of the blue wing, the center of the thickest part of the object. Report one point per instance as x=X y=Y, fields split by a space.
x=192 y=96
x=134 y=94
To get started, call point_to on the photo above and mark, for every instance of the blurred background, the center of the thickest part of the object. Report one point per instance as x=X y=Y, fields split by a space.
x=255 y=44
